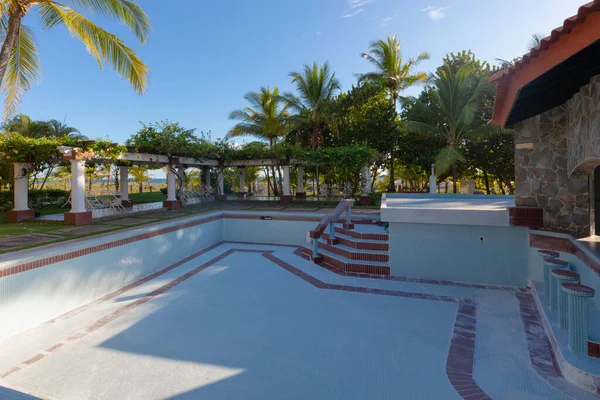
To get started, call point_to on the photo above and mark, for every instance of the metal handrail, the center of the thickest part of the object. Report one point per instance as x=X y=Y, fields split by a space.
x=329 y=220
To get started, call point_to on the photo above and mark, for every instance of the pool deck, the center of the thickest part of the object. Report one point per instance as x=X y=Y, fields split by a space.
x=241 y=321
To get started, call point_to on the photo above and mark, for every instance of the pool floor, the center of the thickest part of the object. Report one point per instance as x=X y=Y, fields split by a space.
x=260 y=322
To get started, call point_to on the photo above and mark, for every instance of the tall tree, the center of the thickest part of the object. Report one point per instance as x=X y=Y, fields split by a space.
x=457 y=95
x=316 y=87
x=19 y=57
x=395 y=73
x=140 y=175
x=266 y=117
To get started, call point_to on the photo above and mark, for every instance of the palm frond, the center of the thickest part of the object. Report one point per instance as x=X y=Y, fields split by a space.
x=102 y=45
x=421 y=127
x=22 y=70
x=446 y=158
x=127 y=12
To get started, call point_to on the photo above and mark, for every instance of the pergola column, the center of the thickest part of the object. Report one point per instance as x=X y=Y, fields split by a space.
x=21 y=210
x=206 y=177
x=286 y=197
x=171 y=203
x=78 y=215
x=300 y=193
x=242 y=192
x=365 y=196
x=221 y=185
x=124 y=186
x=432 y=181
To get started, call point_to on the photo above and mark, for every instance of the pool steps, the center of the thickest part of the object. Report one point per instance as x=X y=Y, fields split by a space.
x=362 y=250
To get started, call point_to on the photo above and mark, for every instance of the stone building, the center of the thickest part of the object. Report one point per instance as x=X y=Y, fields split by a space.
x=551 y=98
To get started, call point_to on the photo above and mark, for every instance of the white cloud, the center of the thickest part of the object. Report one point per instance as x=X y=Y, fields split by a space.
x=385 y=22
x=319 y=34
x=355 y=7
x=435 y=13
x=358 y=3
x=351 y=13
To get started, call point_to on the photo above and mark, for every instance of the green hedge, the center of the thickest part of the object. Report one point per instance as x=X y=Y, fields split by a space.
x=38 y=199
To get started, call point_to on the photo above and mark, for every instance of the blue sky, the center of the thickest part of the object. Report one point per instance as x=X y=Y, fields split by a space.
x=204 y=55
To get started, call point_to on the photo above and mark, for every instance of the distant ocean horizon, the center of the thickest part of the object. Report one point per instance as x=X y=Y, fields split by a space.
x=158 y=181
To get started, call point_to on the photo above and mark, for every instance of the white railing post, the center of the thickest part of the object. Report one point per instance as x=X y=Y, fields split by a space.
x=315 y=249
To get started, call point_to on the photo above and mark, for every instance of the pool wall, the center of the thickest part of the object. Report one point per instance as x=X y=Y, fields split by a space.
x=288 y=231
x=48 y=282
x=475 y=254
x=34 y=296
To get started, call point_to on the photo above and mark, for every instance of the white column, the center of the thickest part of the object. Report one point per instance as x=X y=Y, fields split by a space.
x=21 y=173
x=206 y=172
x=432 y=181
x=124 y=182
x=221 y=180
x=366 y=176
x=300 y=171
x=171 y=182
x=181 y=175
x=78 y=186
x=242 y=180
x=286 y=180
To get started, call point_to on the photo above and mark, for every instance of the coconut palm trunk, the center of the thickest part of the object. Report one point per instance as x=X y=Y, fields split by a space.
x=392 y=184
x=396 y=74
x=14 y=25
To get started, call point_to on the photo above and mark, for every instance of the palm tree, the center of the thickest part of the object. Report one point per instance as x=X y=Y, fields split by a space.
x=535 y=40
x=58 y=129
x=395 y=73
x=140 y=175
x=19 y=57
x=457 y=95
x=316 y=87
x=266 y=117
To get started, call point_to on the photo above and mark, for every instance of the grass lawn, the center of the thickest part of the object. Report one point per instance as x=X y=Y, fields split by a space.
x=23 y=228
x=147 y=197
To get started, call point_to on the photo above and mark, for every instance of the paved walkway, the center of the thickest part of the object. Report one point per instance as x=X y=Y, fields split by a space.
x=259 y=322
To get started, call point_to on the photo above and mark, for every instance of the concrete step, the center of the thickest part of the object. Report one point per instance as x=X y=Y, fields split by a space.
x=345 y=264
x=359 y=232
x=355 y=254
x=359 y=244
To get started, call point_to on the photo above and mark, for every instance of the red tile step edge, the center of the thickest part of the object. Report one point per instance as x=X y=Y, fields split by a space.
x=355 y=255
x=361 y=235
x=351 y=267
x=359 y=245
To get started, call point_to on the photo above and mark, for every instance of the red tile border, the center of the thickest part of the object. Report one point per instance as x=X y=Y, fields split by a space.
x=542 y=356
x=335 y=269
x=351 y=255
x=268 y=254
x=459 y=365
x=359 y=245
x=349 y=267
x=562 y=245
x=27 y=266
x=100 y=247
x=135 y=284
x=362 y=235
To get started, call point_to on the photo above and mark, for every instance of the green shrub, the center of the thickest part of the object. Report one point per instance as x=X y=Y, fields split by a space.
x=163 y=191
x=38 y=199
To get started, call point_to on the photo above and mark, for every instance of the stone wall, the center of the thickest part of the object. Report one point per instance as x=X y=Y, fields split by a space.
x=583 y=127
x=542 y=177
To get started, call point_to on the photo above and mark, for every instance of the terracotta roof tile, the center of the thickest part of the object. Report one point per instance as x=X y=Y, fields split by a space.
x=582 y=13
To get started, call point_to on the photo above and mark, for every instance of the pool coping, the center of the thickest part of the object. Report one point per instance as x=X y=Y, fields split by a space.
x=26 y=260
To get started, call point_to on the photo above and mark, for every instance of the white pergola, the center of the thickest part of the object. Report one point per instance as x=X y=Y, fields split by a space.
x=79 y=215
